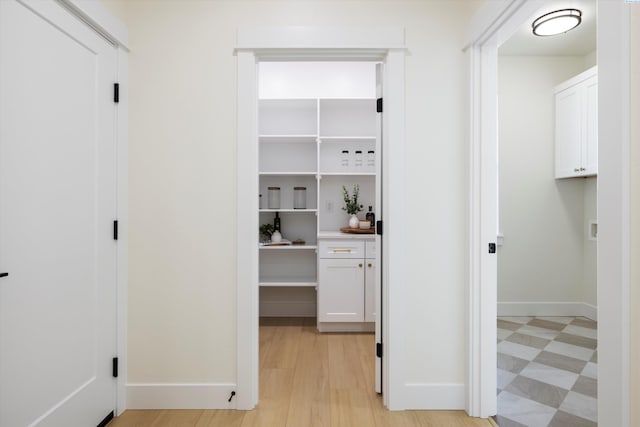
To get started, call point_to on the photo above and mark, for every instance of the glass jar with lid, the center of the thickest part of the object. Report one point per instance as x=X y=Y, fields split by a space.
x=299 y=197
x=273 y=198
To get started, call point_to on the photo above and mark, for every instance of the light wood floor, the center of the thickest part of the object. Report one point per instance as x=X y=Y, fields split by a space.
x=308 y=379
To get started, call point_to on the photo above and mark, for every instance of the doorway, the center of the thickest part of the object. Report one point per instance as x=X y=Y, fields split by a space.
x=547 y=253
x=319 y=148
x=612 y=203
x=274 y=45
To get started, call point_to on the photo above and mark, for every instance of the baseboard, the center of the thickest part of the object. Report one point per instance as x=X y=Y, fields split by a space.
x=346 y=327
x=180 y=396
x=287 y=309
x=543 y=308
x=434 y=396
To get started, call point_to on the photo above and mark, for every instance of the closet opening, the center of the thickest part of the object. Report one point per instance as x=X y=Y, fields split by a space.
x=319 y=165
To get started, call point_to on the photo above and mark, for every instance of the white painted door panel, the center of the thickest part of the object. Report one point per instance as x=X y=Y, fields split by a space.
x=568 y=133
x=341 y=290
x=370 y=291
x=57 y=204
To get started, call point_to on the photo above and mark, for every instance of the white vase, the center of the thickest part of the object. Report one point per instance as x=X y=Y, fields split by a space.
x=354 y=222
x=276 y=237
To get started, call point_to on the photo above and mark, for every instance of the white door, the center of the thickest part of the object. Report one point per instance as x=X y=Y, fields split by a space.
x=377 y=277
x=57 y=206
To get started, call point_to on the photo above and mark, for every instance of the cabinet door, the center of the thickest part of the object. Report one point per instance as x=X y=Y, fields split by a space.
x=568 y=133
x=341 y=290
x=370 y=289
x=590 y=136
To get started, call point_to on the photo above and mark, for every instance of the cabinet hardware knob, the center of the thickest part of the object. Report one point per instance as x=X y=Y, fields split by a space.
x=369 y=265
x=582 y=169
x=360 y=265
x=576 y=170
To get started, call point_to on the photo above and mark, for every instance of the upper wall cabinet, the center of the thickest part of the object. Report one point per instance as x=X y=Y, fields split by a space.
x=576 y=129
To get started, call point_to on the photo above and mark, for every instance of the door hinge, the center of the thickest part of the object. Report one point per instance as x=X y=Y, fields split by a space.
x=492 y=248
x=115 y=367
x=115 y=229
x=378 y=349
x=116 y=92
x=379 y=228
x=379 y=105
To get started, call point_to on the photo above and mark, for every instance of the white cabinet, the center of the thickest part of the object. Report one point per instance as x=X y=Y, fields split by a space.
x=341 y=290
x=370 y=290
x=576 y=130
x=347 y=281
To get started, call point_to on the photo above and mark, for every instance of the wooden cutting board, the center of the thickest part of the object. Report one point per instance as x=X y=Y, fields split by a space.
x=358 y=230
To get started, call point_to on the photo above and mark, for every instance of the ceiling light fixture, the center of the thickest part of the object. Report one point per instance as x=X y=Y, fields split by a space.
x=557 y=22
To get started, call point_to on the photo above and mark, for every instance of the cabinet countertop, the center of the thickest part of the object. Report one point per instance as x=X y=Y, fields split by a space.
x=346 y=236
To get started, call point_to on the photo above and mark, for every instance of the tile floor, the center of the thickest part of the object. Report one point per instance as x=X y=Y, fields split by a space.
x=547 y=372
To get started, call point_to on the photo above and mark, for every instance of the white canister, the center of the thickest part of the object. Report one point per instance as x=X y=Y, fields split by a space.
x=273 y=198
x=299 y=197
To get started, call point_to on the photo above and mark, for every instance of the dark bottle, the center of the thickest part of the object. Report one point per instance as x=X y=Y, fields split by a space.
x=276 y=223
x=370 y=216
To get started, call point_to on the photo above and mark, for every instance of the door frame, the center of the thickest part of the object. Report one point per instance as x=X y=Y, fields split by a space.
x=316 y=43
x=493 y=24
x=99 y=19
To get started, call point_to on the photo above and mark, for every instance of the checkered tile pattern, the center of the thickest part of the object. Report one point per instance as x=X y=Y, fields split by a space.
x=547 y=372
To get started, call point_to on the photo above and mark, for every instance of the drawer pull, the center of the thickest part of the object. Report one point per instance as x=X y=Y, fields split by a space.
x=369 y=265
x=342 y=251
x=360 y=265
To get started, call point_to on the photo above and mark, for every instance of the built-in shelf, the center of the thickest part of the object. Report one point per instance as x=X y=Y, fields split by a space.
x=289 y=248
x=346 y=138
x=291 y=153
x=347 y=174
x=290 y=210
x=288 y=173
x=301 y=282
x=308 y=138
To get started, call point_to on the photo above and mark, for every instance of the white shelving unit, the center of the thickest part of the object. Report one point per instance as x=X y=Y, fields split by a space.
x=301 y=144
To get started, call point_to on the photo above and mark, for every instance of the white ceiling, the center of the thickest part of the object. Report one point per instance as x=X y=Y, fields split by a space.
x=579 y=41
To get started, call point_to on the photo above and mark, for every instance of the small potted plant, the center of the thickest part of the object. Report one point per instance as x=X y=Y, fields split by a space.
x=351 y=205
x=266 y=230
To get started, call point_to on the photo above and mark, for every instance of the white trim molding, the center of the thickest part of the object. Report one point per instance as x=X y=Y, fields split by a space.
x=122 y=118
x=434 y=397
x=95 y=15
x=548 y=308
x=314 y=43
x=493 y=24
x=180 y=396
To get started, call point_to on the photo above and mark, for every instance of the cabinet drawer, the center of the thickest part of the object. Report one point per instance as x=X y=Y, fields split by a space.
x=341 y=249
x=370 y=250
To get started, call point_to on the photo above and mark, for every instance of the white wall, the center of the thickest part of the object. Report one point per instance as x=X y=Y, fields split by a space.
x=546 y=256
x=182 y=180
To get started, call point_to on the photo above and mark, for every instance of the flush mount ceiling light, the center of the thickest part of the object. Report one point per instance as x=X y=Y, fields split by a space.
x=557 y=22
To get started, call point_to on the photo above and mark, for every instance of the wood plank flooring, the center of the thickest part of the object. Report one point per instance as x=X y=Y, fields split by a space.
x=308 y=379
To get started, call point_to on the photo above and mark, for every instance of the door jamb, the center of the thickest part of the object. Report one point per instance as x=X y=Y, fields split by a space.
x=492 y=25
